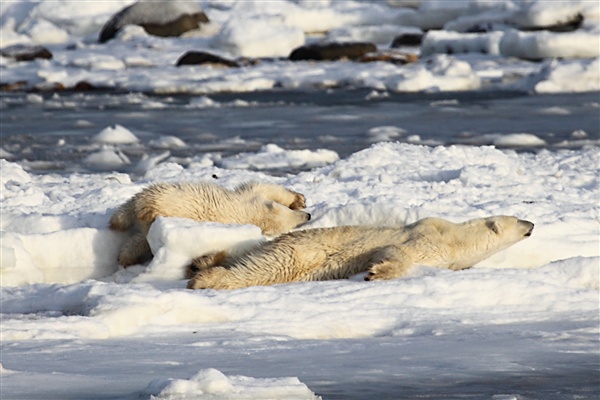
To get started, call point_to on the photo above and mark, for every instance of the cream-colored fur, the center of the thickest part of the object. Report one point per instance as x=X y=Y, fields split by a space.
x=272 y=208
x=340 y=252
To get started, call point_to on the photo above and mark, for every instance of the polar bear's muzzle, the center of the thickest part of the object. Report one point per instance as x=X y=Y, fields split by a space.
x=527 y=227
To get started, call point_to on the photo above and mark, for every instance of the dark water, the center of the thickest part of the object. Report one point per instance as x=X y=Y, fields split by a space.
x=53 y=131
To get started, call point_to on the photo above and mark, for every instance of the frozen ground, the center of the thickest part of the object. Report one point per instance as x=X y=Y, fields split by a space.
x=522 y=325
x=511 y=49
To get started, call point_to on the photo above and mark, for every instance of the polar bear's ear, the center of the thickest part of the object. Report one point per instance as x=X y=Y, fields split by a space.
x=493 y=226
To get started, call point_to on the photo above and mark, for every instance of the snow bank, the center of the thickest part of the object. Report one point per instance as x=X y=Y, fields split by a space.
x=257 y=29
x=65 y=256
x=557 y=77
x=251 y=38
x=176 y=241
x=541 y=45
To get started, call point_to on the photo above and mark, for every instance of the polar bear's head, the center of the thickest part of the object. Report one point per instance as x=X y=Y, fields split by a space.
x=274 y=218
x=482 y=237
x=508 y=230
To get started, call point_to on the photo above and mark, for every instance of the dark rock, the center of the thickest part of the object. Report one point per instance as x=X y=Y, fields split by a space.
x=201 y=58
x=151 y=17
x=21 y=52
x=332 y=51
x=84 y=86
x=178 y=27
x=13 y=86
x=407 y=39
x=572 y=23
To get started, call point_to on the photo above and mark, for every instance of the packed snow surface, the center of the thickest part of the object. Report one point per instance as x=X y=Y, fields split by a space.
x=62 y=289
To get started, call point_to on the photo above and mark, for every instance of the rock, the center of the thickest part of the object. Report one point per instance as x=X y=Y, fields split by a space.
x=332 y=51
x=407 y=39
x=21 y=52
x=160 y=18
x=394 y=57
x=13 y=86
x=84 y=86
x=178 y=27
x=202 y=58
x=572 y=23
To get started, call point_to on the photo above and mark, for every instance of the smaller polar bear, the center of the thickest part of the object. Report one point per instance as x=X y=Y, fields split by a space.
x=340 y=252
x=273 y=208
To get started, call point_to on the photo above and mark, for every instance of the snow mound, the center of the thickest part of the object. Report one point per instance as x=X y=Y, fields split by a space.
x=115 y=135
x=107 y=159
x=254 y=38
x=273 y=156
x=214 y=385
x=176 y=241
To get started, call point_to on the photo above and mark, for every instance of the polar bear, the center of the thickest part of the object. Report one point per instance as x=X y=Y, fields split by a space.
x=272 y=208
x=340 y=252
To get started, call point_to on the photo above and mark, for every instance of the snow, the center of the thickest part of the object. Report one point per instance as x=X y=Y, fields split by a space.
x=63 y=290
x=272 y=156
x=115 y=134
x=541 y=45
x=270 y=31
x=522 y=324
x=214 y=383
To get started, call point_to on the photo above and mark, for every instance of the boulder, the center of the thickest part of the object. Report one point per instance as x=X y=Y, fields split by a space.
x=332 y=51
x=159 y=18
x=204 y=58
x=22 y=52
x=407 y=39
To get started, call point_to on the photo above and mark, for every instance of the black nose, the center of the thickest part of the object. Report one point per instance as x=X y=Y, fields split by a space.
x=308 y=218
x=530 y=231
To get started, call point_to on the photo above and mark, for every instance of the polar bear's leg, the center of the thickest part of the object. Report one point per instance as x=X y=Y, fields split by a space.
x=135 y=250
x=214 y=278
x=278 y=194
x=390 y=262
x=204 y=262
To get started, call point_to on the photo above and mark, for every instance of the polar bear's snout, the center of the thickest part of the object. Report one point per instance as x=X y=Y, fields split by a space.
x=527 y=227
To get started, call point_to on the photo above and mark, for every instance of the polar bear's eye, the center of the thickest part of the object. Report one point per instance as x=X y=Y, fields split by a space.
x=493 y=226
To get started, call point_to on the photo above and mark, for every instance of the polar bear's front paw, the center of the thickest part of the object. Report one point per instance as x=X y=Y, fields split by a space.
x=211 y=278
x=299 y=202
x=384 y=271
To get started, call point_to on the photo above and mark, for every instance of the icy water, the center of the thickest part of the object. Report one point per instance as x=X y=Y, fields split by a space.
x=52 y=132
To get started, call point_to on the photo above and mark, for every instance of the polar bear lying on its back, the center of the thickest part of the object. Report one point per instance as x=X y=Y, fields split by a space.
x=272 y=208
x=340 y=252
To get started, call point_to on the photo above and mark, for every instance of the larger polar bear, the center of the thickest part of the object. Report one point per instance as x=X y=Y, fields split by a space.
x=340 y=252
x=273 y=208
